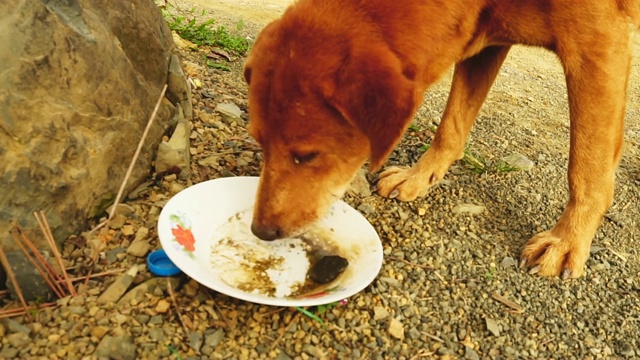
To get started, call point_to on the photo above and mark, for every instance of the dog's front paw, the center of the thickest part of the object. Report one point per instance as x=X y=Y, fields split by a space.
x=549 y=255
x=402 y=183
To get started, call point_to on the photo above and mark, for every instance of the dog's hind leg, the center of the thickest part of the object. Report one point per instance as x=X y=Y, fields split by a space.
x=472 y=80
x=596 y=81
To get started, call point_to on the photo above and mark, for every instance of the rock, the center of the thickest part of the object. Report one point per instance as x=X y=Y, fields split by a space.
x=140 y=245
x=175 y=152
x=230 y=113
x=366 y=209
x=99 y=331
x=518 y=161
x=148 y=287
x=414 y=333
x=117 y=347
x=470 y=354
x=156 y=320
x=604 y=265
x=68 y=137
x=508 y=262
x=195 y=340
x=396 y=329
x=113 y=255
x=360 y=185
x=212 y=160
x=33 y=286
x=157 y=334
x=214 y=339
x=117 y=221
x=493 y=327
x=163 y=306
x=18 y=340
x=626 y=349
x=122 y=209
x=390 y=281
x=178 y=88
x=312 y=351
x=127 y=230
x=283 y=356
x=176 y=187
x=380 y=313
x=13 y=326
x=182 y=43
x=8 y=353
x=469 y=209
x=117 y=289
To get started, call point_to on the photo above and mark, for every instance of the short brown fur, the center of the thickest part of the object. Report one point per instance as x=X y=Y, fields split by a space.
x=336 y=82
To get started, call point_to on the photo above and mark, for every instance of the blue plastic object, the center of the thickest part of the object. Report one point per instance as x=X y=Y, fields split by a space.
x=160 y=264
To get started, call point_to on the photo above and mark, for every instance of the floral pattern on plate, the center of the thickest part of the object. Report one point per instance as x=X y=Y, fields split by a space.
x=181 y=230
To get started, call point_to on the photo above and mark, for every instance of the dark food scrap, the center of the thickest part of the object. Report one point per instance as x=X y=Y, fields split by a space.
x=327 y=269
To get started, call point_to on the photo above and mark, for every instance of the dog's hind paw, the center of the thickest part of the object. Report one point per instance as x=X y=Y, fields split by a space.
x=549 y=255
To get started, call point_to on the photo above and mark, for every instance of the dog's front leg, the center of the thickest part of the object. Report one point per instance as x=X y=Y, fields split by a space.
x=596 y=81
x=472 y=80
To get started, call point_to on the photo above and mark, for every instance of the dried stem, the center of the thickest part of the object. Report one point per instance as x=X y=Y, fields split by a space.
x=128 y=174
x=137 y=153
x=175 y=305
x=275 y=343
x=50 y=269
x=48 y=277
x=105 y=273
x=46 y=230
x=515 y=308
x=14 y=281
x=23 y=311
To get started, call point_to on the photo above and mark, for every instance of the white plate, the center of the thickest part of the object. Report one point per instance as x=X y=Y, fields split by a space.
x=205 y=231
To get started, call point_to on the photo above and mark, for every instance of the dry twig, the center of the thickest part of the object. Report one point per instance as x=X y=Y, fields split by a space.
x=175 y=305
x=127 y=175
x=14 y=281
x=515 y=308
x=23 y=243
x=295 y=317
x=5 y=313
x=46 y=231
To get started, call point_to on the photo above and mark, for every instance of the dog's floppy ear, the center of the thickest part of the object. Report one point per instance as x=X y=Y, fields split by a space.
x=374 y=94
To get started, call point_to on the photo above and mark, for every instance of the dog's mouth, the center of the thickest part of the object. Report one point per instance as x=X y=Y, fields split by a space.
x=268 y=233
x=275 y=229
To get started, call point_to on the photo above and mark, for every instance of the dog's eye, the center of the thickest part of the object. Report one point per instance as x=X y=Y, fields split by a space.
x=303 y=158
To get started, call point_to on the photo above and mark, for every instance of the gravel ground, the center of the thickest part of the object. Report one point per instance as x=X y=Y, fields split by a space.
x=447 y=271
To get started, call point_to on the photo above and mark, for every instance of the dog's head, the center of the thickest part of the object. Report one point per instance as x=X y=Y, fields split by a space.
x=321 y=102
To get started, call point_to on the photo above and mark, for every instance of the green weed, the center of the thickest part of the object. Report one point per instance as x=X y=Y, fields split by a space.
x=218 y=65
x=479 y=165
x=502 y=166
x=491 y=272
x=204 y=32
x=474 y=161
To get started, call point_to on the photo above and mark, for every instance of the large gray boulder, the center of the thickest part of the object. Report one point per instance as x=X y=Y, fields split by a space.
x=78 y=82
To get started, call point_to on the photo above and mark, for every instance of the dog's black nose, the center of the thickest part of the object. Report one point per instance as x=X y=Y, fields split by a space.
x=265 y=232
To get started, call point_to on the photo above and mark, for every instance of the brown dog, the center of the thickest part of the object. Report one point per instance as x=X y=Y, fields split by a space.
x=334 y=82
